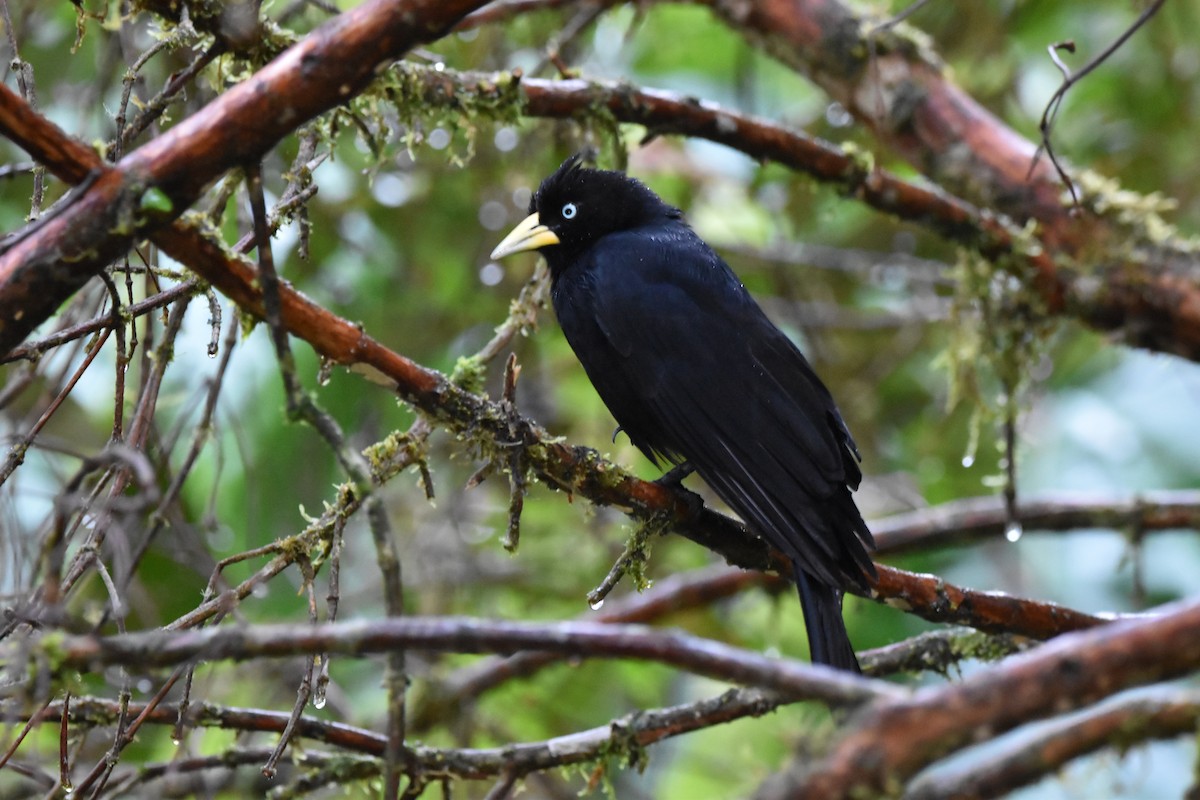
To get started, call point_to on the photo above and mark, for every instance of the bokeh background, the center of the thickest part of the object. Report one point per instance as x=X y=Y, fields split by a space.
x=397 y=238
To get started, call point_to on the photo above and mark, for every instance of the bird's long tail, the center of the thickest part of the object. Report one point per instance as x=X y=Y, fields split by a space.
x=828 y=641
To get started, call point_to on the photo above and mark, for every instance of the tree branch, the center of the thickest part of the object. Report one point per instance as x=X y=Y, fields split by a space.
x=582 y=639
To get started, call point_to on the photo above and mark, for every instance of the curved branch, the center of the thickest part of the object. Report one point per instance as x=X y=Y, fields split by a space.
x=957 y=522
x=673 y=593
x=932 y=599
x=464 y=635
x=1120 y=723
x=936 y=650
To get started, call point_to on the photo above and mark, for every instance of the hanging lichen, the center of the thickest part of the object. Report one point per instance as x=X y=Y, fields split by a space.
x=1001 y=330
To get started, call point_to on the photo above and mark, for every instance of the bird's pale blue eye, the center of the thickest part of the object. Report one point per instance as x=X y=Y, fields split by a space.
x=569 y=211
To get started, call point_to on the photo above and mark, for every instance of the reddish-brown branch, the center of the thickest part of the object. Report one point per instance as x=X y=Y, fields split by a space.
x=892 y=740
x=66 y=157
x=888 y=84
x=931 y=598
x=1141 y=294
x=665 y=112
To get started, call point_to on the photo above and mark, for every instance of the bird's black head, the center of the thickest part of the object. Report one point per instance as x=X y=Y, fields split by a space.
x=576 y=206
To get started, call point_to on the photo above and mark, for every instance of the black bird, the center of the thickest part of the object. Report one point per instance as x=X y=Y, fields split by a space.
x=697 y=375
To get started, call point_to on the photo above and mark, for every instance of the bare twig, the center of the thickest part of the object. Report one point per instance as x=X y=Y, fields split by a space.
x=303 y=406
x=16 y=455
x=153 y=109
x=125 y=736
x=1074 y=671
x=1054 y=104
x=136 y=440
x=508 y=9
x=24 y=72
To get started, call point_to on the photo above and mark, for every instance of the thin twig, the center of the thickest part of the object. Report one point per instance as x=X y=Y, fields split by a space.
x=1054 y=105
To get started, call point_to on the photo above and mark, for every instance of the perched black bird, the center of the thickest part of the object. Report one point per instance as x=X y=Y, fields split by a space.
x=695 y=374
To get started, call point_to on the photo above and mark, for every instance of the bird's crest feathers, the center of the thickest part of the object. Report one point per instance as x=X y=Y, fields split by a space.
x=624 y=201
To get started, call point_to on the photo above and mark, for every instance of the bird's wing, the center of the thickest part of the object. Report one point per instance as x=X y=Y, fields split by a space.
x=718 y=384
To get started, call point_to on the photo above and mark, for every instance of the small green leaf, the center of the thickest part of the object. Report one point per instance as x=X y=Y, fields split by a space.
x=156 y=200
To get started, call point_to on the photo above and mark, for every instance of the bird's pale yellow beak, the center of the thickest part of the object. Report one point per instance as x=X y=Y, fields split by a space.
x=530 y=234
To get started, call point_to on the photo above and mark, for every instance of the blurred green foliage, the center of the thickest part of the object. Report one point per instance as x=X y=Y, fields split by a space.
x=398 y=241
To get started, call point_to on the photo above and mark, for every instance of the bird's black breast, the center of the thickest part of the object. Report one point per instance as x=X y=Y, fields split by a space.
x=601 y=301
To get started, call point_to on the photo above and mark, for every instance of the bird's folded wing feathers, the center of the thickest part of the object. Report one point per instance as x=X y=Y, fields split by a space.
x=722 y=366
x=734 y=397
